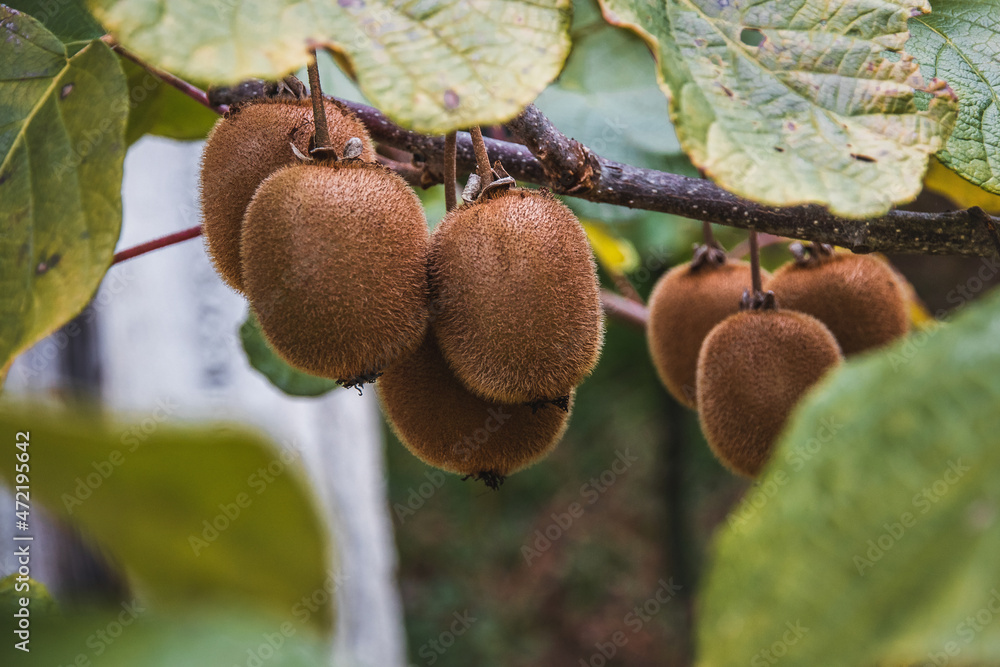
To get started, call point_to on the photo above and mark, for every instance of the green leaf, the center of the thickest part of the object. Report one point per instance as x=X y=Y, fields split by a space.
x=797 y=102
x=192 y=514
x=162 y=110
x=607 y=97
x=286 y=378
x=133 y=634
x=68 y=20
x=875 y=525
x=433 y=66
x=62 y=142
x=960 y=42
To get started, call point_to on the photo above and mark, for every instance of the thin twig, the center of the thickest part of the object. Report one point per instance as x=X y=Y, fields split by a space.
x=413 y=175
x=322 y=131
x=195 y=93
x=450 y=197
x=626 y=288
x=156 y=244
x=623 y=309
x=482 y=157
x=615 y=306
x=601 y=180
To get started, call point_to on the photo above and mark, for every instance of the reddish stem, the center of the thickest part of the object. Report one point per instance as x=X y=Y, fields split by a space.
x=195 y=93
x=155 y=244
x=624 y=309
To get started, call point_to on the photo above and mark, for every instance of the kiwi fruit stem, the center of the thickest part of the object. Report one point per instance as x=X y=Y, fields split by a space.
x=755 y=263
x=756 y=298
x=708 y=235
x=321 y=138
x=450 y=155
x=482 y=157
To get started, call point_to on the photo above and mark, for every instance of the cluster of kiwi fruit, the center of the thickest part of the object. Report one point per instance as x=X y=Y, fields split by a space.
x=743 y=358
x=478 y=334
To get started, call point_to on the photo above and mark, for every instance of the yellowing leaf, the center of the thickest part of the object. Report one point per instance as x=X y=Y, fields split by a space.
x=615 y=254
x=943 y=181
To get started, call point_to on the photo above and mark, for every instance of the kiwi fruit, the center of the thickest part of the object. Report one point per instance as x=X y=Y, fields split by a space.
x=246 y=146
x=516 y=297
x=858 y=297
x=445 y=425
x=753 y=368
x=686 y=303
x=335 y=267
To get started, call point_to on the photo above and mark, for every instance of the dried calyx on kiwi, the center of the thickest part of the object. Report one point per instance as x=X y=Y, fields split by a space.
x=515 y=293
x=445 y=425
x=335 y=266
x=859 y=297
x=252 y=141
x=686 y=303
x=753 y=369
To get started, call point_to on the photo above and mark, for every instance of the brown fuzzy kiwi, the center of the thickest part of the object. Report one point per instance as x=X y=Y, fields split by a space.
x=246 y=146
x=858 y=297
x=515 y=294
x=687 y=302
x=445 y=425
x=335 y=266
x=753 y=368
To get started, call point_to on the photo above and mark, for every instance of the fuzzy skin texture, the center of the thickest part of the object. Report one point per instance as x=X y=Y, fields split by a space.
x=335 y=266
x=515 y=293
x=443 y=424
x=858 y=297
x=684 y=306
x=752 y=370
x=245 y=147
